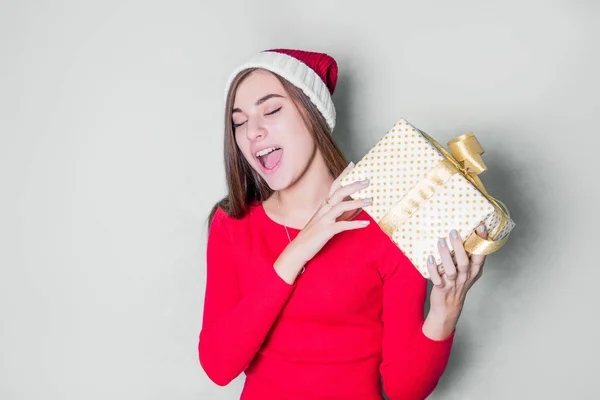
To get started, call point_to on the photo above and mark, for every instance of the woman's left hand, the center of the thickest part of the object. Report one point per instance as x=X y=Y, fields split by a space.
x=450 y=289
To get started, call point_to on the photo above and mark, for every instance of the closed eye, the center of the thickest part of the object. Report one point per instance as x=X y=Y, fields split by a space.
x=270 y=113
x=274 y=111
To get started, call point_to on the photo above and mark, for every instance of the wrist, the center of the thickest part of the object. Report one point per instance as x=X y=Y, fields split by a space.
x=446 y=313
x=295 y=255
x=289 y=265
x=440 y=324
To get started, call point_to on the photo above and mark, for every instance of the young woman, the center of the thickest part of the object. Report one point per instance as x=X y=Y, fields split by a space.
x=304 y=292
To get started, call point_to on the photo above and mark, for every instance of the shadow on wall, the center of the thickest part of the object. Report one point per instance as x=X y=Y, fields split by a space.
x=345 y=129
x=504 y=181
x=505 y=269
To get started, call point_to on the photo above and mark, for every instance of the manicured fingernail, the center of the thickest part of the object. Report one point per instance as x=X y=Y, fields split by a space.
x=365 y=182
x=368 y=200
x=365 y=222
x=481 y=228
x=430 y=259
x=442 y=242
x=454 y=234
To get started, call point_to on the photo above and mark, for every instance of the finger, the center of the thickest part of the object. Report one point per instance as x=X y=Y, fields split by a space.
x=329 y=204
x=477 y=268
x=345 y=191
x=449 y=267
x=478 y=259
x=460 y=254
x=433 y=272
x=337 y=183
x=478 y=274
x=341 y=226
x=348 y=205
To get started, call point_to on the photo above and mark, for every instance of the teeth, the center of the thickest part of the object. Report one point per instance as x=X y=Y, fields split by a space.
x=266 y=151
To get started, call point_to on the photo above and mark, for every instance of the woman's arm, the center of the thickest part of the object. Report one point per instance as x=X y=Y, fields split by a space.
x=412 y=362
x=235 y=326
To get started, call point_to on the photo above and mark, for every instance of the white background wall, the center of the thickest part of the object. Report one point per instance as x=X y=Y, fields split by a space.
x=110 y=159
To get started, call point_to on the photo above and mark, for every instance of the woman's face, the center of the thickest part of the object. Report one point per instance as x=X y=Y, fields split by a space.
x=269 y=130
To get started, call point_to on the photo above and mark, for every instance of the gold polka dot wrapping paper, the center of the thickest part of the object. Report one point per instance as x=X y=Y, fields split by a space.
x=421 y=191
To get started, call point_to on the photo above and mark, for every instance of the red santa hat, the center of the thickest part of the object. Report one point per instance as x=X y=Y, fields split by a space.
x=314 y=73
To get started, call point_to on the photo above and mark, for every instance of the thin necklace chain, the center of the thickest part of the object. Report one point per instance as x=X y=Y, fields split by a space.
x=283 y=218
x=286 y=229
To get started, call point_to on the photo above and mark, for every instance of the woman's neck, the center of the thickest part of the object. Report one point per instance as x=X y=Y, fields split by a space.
x=300 y=201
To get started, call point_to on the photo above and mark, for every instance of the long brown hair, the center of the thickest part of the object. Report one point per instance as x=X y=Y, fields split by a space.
x=245 y=185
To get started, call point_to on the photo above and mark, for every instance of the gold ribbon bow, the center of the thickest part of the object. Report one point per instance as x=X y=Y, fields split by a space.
x=465 y=158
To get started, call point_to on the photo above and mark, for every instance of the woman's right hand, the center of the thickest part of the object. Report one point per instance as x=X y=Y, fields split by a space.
x=326 y=222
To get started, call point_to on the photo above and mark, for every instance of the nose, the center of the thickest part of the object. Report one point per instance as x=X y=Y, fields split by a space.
x=255 y=129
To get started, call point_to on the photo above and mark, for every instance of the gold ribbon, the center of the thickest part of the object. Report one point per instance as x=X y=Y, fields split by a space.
x=465 y=158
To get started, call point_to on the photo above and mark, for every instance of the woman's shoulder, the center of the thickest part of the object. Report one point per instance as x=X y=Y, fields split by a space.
x=371 y=238
x=376 y=235
x=389 y=255
x=226 y=218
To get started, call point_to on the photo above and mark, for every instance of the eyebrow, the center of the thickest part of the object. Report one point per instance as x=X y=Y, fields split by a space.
x=259 y=101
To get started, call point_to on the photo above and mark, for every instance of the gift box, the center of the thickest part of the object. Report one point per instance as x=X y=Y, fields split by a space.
x=421 y=191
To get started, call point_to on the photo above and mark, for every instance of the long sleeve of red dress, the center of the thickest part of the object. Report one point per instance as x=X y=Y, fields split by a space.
x=412 y=363
x=354 y=316
x=234 y=326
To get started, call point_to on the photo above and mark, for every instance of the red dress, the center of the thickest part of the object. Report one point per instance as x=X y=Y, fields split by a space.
x=352 y=318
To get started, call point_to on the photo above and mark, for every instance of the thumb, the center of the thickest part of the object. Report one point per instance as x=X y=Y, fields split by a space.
x=482 y=231
x=478 y=258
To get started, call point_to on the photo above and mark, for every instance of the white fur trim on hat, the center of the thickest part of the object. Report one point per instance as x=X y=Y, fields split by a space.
x=299 y=74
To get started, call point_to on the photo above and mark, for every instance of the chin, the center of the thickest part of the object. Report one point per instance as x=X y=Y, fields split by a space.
x=279 y=181
x=276 y=184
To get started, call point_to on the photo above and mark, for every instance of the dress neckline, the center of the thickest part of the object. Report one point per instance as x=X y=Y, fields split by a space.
x=262 y=210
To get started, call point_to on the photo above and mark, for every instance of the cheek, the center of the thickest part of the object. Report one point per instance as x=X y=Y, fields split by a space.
x=303 y=151
x=304 y=144
x=244 y=147
x=305 y=147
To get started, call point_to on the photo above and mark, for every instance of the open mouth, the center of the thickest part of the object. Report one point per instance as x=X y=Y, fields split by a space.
x=270 y=158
